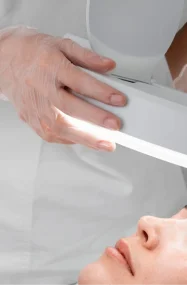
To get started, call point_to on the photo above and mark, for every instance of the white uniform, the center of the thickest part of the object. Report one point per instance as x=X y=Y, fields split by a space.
x=61 y=206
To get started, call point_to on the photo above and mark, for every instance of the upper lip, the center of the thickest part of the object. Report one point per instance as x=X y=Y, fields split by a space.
x=123 y=247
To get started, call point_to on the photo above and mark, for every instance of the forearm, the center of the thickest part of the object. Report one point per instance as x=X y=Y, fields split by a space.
x=176 y=56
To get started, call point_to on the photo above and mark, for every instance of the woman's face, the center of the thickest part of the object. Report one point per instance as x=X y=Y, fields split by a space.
x=156 y=254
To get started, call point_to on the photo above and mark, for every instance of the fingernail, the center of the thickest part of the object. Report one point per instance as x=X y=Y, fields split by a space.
x=97 y=57
x=118 y=100
x=106 y=146
x=106 y=59
x=112 y=124
x=110 y=64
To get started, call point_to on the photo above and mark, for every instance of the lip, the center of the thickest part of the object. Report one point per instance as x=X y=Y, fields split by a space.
x=123 y=248
x=123 y=258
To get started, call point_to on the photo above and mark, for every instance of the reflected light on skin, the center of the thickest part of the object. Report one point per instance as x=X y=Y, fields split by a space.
x=85 y=127
x=155 y=254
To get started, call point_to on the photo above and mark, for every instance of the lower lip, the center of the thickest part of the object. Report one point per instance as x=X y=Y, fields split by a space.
x=115 y=254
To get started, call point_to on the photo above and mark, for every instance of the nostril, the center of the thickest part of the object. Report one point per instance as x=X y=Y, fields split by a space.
x=149 y=232
x=145 y=236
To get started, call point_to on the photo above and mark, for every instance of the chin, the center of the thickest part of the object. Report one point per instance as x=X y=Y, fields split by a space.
x=86 y=275
x=92 y=274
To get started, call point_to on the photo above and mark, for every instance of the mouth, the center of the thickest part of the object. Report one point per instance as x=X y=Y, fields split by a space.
x=123 y=248
x=121 y=253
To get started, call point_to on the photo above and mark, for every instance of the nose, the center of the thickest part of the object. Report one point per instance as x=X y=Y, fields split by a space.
x=181 y=215
x=148 y=232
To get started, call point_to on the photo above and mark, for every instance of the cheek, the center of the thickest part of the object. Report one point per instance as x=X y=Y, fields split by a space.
x=168 y=267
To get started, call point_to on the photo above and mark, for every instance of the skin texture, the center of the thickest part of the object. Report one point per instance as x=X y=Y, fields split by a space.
x=158 y=252
x=39 y=75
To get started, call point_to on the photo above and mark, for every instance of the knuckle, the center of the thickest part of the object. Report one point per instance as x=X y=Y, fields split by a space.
x=47 y=41
x=65 y=70
x=73 y=46
x=45 y=57
x=60 y=119
x=68 y=43
x=87 y=54
x=48 y=57
x=61 y=125
x=67 y=65
x=48 y=135
x=49 y=138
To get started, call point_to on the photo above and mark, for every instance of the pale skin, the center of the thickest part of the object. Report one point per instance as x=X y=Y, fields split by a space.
x=155 y=254
x=40 y=74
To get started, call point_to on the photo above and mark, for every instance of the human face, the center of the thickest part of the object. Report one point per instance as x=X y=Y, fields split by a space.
x=156 y=254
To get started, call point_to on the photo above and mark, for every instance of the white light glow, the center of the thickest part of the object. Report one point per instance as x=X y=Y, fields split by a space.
x=133 y=143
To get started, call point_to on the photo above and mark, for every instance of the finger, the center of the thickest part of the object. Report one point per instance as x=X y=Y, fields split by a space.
x=84 y=84
x=52 y=138
x=80 y=109
x=85 y=57
x=42 y=127
x=76 y=132
x=64 y=141
x=48 y=135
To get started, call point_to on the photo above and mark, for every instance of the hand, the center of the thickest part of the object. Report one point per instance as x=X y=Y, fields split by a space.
x=38 y=74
